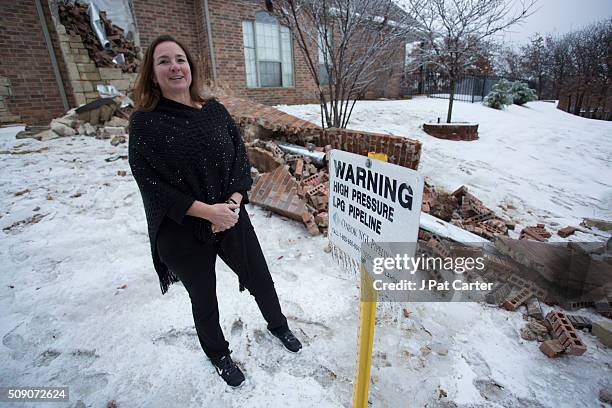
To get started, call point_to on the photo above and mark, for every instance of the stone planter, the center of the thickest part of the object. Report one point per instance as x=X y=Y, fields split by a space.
x=452 y=131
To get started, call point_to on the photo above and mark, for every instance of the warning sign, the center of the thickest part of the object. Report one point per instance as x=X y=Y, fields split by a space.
x=371 y=201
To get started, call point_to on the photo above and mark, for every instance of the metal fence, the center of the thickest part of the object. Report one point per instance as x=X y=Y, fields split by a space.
x=435 y=85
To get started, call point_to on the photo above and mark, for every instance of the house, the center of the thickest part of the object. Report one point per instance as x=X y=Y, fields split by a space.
x=238 y=44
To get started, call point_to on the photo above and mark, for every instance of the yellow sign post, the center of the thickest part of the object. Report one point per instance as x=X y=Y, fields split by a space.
x=365 y=334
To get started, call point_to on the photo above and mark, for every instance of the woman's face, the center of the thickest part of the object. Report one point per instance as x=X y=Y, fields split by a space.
x=171 y=69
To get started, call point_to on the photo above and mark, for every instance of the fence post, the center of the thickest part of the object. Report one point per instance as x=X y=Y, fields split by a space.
x=473 y=86
x=484 y=85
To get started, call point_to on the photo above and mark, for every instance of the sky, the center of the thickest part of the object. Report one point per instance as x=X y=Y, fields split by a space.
x=559 y=17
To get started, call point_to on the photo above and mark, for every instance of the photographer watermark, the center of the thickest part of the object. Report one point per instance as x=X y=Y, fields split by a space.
x=399 y=271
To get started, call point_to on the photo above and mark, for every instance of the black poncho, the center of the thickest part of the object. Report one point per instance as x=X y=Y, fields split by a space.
x=179 y=154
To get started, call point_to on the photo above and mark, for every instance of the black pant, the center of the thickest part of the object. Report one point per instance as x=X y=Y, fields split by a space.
x=193 y=262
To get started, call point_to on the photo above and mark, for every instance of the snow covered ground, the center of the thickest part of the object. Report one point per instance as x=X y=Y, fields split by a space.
x=66 y=322
x=533 y=164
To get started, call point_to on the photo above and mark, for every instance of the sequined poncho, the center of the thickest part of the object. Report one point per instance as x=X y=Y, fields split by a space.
x=179 y=154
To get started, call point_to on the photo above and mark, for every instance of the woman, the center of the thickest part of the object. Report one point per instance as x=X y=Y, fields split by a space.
x=191 y=167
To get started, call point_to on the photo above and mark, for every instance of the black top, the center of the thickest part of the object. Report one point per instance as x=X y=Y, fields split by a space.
x=179 y=154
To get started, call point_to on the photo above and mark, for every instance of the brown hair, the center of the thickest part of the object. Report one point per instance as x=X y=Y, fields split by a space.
x=146 y=94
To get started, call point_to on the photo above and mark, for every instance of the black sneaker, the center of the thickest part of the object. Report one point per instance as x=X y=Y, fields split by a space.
x=288 y=340
x=228 y=370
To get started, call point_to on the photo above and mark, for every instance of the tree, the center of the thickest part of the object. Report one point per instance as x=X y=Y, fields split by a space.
x=536 y=61
x=500 y=95
x=521 y=93
x=347 y=46
x=456 y=32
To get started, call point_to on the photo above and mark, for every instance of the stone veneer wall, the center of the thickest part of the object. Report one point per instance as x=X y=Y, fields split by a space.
x=83 y=74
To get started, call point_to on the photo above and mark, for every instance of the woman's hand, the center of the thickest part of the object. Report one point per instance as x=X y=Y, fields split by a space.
x=222 y=216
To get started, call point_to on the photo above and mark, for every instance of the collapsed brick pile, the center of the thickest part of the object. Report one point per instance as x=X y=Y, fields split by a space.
x=292 y=185
x=557 y=333
x=102 y=119
x=463 y=209
x=77 y=22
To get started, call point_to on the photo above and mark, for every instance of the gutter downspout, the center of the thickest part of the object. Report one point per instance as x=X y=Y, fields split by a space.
x=58 y=76
x=210 y=41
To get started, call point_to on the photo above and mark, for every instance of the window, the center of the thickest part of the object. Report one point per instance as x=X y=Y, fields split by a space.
x=267 y=52
x=323 y=51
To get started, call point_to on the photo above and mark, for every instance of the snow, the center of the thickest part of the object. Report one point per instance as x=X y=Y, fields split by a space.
x=533 y=164
x=66 y=322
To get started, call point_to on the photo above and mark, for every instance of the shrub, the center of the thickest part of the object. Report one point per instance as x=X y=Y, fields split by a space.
x=500 y=95
x=521 y=93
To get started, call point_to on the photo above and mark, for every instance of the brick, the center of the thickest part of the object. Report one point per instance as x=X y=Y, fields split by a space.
x=87 y=67
x=90 y=76
x=565 y=332
x=552 y=348
x=83 y=59
x=515 y=301
x=538 y=233
x=262 y=159
x=603 y=331
x=121 y=84
x=580 y=322
x=110 y=73
x=566 y=232
x=277 y=191
x=82 y=86
x=534 y=309
x=498 y=293
x=73 y=71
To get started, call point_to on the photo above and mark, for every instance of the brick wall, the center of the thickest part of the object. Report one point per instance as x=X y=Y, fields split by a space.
x=280 y=125
x=83 y=75
x=25 y=61
x=226 y=21
x=179 y=18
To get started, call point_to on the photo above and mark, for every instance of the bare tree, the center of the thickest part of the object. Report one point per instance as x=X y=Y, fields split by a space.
x=347 y=45
x=454 y=33
x=535 y=59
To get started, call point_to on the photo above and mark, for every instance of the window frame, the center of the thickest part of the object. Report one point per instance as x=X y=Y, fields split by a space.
x=279 y=34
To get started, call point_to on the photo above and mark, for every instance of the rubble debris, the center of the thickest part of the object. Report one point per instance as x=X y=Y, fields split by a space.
x=39 y=150
x=605 y=395
x=498 y=293
x=552 y=348
x=115 y=158
x=98 y=111
x=61 y=129
x=566 y=232
x=540 y=330
x=277 y=191
x=76 y=20
x=317 y=157
x=601 y=225
x=565 y=332
x=528 y=334
x=514 y=301
x=603 y=331
x=538 y=233
x=580 y=322
x=21 y=192
x=534 y=309
x=30 y=220
x=117 y=140
x=262 y=159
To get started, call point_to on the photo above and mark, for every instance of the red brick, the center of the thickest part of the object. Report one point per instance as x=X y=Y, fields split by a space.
x=552 y=348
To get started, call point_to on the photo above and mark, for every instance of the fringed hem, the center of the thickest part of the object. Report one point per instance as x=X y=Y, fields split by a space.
x=167 y=279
